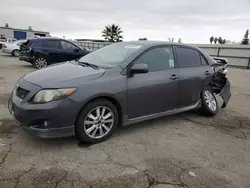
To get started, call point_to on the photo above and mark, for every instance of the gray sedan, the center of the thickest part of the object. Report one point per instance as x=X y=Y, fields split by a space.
x=119 y=84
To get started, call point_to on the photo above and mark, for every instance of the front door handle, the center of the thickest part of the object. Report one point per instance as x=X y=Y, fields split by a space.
x=207 y=73
x=174 y=77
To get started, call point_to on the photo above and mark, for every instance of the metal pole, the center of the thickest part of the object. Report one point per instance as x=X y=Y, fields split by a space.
x=218 y=53
x=248 y=65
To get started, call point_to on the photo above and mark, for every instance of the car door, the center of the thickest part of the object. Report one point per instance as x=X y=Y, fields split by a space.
x=70 y=51
x=155 y=91
x=194 y=70
x=52 y=49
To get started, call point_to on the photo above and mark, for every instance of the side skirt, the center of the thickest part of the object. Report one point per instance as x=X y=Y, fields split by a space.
x=127 y=121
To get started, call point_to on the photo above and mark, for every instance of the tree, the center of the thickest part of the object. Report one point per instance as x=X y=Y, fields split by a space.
x=220 y=40
x=211 y=39
x=143 y=38
x=179 y=40
x=224 y=41
x=215 y=40
x=112 y=33
x=245 y=39
x=171 y=39
x=30 y=28
x=6 y=25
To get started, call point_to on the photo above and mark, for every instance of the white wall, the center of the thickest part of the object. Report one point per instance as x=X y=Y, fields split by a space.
x=237 y=55
x=7 y=33
x=29 y=35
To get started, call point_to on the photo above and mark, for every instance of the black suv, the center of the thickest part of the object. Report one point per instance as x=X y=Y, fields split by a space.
x=42 y=52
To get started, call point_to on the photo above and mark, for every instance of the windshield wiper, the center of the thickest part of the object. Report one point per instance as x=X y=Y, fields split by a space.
x=87 y=64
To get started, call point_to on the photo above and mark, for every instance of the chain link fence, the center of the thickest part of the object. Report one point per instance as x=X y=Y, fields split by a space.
x=92 y=45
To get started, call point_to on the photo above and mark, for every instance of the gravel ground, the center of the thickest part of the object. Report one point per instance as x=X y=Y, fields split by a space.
x=185 y=150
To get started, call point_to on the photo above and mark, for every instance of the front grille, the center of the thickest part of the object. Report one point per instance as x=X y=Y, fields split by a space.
x=21 y=93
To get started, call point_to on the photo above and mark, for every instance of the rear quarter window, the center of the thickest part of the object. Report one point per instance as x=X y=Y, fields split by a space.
x=203 y=61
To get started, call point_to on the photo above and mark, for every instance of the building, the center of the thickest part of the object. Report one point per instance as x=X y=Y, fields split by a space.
x=13 y=33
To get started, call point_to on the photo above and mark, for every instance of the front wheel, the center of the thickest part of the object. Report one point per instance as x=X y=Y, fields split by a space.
x=96 y=122
x=40 y=62
x=209 y=103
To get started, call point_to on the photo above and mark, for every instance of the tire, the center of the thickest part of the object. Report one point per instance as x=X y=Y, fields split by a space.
x=15 y=53
x=92 y=128
x=209 y=106
x=40 y=62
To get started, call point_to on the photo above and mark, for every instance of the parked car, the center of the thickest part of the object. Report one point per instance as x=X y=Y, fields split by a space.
x=4 y=41
x=119 y=84
x=12 y=48
x=45 y=51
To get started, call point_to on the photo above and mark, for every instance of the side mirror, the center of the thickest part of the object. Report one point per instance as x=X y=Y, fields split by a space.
x=76 y=50
x=139 y=68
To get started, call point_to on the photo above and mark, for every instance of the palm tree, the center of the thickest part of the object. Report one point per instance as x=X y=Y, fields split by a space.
x=215 y=40
x=220 y=40
x=211 y=39
x=112 y=33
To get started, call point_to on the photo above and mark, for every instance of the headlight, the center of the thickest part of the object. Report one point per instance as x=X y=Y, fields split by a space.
x=48 y=95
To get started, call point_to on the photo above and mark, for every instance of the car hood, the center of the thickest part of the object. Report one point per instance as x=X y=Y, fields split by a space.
x=63 y=75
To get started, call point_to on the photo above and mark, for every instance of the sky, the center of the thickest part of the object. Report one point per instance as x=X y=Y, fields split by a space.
x=194 y=21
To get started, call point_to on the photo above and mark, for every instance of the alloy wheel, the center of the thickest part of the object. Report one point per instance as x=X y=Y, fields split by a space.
x=98 y=122
x=16 y=53
x=41 y=63
x=210 y=100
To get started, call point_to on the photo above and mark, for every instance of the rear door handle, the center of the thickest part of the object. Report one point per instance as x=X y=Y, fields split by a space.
x=174 y=77
x=207 y=73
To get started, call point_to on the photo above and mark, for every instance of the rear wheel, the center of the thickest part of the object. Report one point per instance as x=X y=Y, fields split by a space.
x=40 y=62
x=209 y=103
x=15 y=53
x=97 y=121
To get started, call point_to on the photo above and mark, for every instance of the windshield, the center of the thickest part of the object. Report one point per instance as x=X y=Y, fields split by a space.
x=110 y=56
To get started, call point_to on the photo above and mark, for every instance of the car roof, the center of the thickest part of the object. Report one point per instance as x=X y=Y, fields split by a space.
x=147 y=44
x=45 y=38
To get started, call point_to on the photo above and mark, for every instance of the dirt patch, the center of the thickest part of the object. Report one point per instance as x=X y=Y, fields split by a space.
x=8 y=126
x=4 y=98
x=205 y=178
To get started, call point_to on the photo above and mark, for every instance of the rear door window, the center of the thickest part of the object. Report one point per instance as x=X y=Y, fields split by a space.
x=54 y=44
x=188 y=57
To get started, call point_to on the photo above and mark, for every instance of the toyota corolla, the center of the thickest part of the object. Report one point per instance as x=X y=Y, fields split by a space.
x=119 y=84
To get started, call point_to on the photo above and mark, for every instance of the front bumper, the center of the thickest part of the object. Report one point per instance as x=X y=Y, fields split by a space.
x=50 y=120
x=50 y=133
x=225 y=93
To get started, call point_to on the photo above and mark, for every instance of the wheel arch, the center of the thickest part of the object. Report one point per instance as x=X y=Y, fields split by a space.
x=14 y=49
x=37 y=52
x=110 y=98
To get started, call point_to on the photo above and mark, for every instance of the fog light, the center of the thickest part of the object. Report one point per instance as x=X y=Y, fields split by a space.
x=46 y=123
